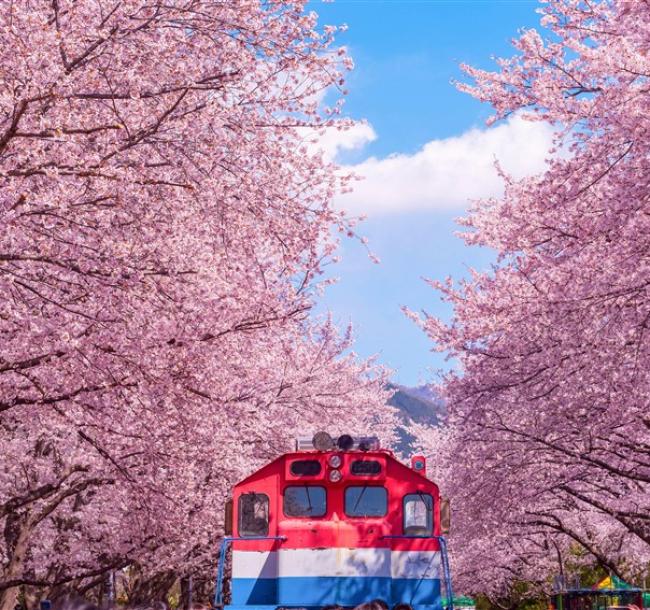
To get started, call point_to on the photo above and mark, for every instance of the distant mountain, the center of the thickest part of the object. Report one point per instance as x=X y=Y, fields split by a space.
x=421 y=405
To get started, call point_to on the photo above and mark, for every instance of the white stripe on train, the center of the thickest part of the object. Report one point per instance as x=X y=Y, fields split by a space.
x=336 y=562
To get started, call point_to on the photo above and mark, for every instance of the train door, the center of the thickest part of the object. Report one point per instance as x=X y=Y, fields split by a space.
x=254 y=556
x=416 y=559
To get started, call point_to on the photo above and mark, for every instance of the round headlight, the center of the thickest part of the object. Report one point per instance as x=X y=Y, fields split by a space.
x=322 y=441
x=335 y=461
x=345 y=442
x=335 y=476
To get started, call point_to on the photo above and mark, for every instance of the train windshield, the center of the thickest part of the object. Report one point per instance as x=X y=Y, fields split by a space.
x=253 y=515
x=418 y=514
x=366 y=501
x=305 y=501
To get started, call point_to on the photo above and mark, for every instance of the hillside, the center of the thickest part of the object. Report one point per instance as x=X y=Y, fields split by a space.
x=419 y=404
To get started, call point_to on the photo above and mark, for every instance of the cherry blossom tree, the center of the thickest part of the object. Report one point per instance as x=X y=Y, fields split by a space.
x=163 y=225
x=550 y=402
x=151 y=489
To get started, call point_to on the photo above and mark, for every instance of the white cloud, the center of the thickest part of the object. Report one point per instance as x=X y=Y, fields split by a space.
x=332 y=140
x=445 y=173
x=356 y=137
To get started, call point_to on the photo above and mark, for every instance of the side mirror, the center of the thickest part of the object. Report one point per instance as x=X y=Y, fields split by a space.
x=445 y=516
x=227 y=523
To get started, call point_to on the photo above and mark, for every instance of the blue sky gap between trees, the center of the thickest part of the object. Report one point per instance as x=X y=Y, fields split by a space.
x=424 y=150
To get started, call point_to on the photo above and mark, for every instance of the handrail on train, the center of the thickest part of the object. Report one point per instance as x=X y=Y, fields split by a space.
x=227 y=540
x=445 y=563
x=223 y=549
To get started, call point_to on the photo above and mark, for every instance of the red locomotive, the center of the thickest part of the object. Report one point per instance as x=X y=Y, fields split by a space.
x=338 y=522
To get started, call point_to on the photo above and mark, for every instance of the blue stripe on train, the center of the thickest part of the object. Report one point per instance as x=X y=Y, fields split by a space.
x=345 y=591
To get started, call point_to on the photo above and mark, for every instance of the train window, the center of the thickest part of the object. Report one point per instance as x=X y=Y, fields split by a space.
x=366 y=501
x=305 y=501
x=418 y=515
x=253 y=515
x=305 y=468
x=365 y=467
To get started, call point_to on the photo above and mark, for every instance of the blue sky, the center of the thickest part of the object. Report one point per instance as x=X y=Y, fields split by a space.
x=424 y=150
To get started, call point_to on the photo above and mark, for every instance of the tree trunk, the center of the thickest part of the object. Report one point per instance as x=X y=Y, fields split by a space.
x=107 y=590
x=31 y=596
x=187 y=593
x=203 y=590
x=149 y=590
x=17 y=535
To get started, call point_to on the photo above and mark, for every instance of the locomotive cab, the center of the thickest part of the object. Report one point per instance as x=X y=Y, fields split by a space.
x=336 y=525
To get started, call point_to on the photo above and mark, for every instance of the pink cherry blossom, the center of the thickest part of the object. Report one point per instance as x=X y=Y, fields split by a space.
x=162 y=235
x=550 y=443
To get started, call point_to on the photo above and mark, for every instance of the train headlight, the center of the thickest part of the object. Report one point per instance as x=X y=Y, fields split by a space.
x=335 y=476
x=335 y=461
x=322 y=441
x=345 y=442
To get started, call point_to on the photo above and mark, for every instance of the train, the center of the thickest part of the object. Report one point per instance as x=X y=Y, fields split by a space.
x=338 y=522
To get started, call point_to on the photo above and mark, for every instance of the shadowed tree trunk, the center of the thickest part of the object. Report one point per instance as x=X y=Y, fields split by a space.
x=187 y=592
x=17 y=532
x=151 y=589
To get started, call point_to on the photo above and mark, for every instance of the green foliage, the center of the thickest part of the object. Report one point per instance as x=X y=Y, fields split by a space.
x=522 y=596
x=580 y=566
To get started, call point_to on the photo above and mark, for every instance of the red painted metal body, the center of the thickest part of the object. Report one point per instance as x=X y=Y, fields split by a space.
x=335 y=529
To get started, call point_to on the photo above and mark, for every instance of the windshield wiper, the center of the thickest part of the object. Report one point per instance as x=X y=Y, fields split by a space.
x=354 y=508
x=428 y=509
